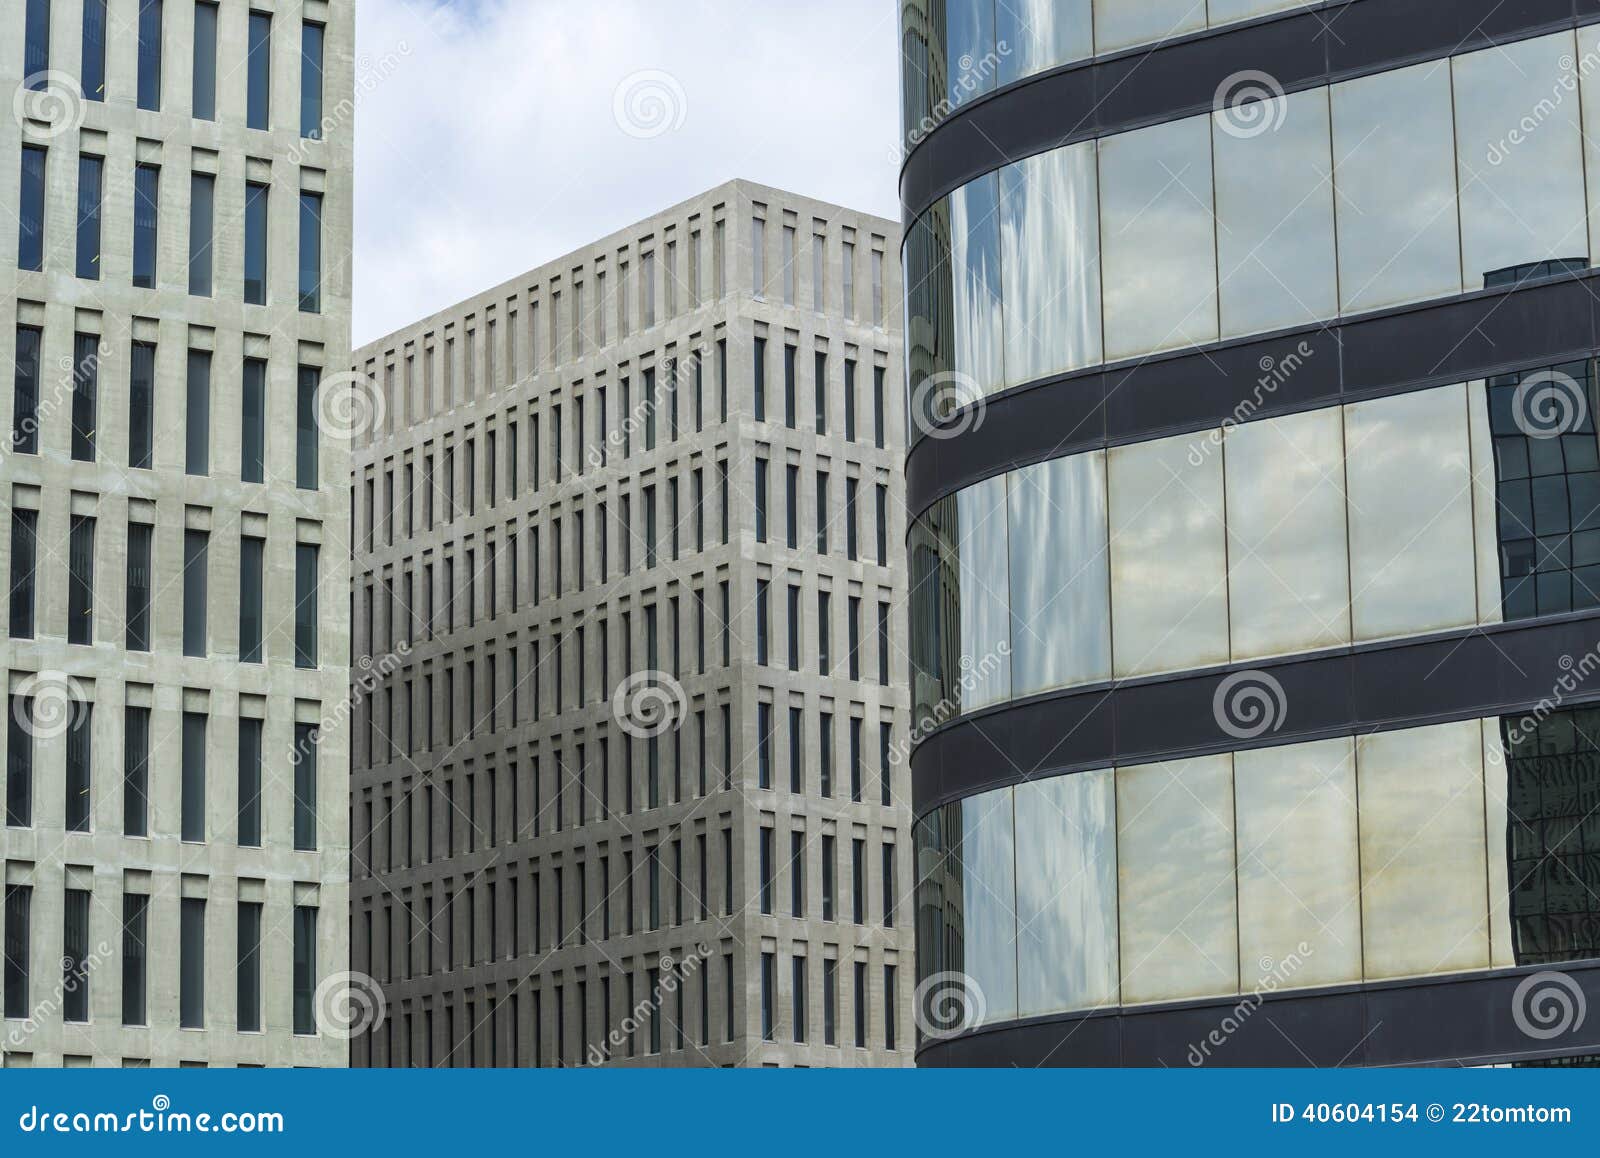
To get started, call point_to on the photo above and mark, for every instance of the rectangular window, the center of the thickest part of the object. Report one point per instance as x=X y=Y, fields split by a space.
x=766 y=870
x=797 y=874
x=305 y=605
x=789 y=402
x=255 y=243
x=820 y=376
x=794 y=627
x=888 y=886
x=883 y=525
x=19 y=762
x=252 y=556
x=311 y=44
x=146 y=220
x=825 y=755
x=889 y=976
x=830 y=1002
x=141 y=405
x=30 y=229
x=202 y=202
x=136 y=771
x=91 y=178
x=25 y=392
x=258 y=81
x=193 y=803
x=849 y=263
x=828 y=889
x=248 y=976
x=883 y=644
x=150 y=54
x=762 y=614
x=878 y=433
x=141 y=539
x=197 y=415
x=304 y=759
x=135 y=933
x=85 y=391
x=824 y=633
x=861 y=1004
x=761 y=500
x=205 y=62
x=253 y=420
x=36 y=45
x=195 y=563
x=798 y=985
x=850 y=547
x=306 y=468
x=192 y=963
x=80 y=730
x=305 y=969
x=849 y=400
x=249 y=783
x=80 y=581
x=769 y=986
x=760 y=376
x=19 y=945
x=310 y=253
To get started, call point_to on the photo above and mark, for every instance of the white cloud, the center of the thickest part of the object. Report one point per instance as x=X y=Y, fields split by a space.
x=490 y=145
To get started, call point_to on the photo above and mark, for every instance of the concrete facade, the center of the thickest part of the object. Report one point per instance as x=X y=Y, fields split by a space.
x=224 y=866
x=558 y=496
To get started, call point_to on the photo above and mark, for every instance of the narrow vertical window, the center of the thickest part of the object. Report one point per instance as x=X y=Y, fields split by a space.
x=761 y=500
x=255 y=243
x=150 y=54
x=204 y=98
x=249 y=796
x=94 y=50
x=252 y=554
x=146 y=222
x=192 y=963
x=85 y=388
x=25 y=392
x=202 y=197
x=769 y=986
x=91 y=178
x=75 y=956
x=758 y=257
x=258 y=83
x=877 y=288
x=310 y=253
x=877 y=407
x=80 y=580
x=135 y=935
x=19 y=762
x=247 y=988
x=305 y=605
x=141 y=405
x=36 y=44
x=192 y=806
x=136 y=771
x=197 y=419
x=141 y=538
x=305 y=433
x=195 y=552
x=304 y=759
x=311 y=42
x=19 y=944
x=305 y=969
x=759 y=372
x=253 y=420
x=30 y=228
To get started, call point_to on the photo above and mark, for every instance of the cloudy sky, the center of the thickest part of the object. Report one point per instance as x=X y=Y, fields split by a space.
x=491 y=135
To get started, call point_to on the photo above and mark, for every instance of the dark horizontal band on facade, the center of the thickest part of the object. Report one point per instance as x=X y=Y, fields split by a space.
x=1095 y=98
x=1504 y=669
x=1411 y=347
x=1467 y=1019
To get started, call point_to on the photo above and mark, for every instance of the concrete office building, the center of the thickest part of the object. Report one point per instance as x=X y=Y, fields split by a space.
x=175 y=266
x=626 y=787
x=1257 y=617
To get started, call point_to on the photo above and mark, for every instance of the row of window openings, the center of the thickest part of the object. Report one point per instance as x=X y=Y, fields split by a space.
x=824 y=653
x=140 y=588
x=78 y=963
x=799 y=1022
x=791 y=491
x=136 y=787
x=148 y=87
x=146 y=219
x=820 y=386
x=31 y=405
x=797 y=878
x=789 y=270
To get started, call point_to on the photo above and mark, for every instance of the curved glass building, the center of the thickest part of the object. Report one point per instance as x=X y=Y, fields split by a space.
x=1254 y=509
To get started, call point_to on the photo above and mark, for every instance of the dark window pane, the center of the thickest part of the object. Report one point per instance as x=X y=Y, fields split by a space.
x=253 y=419
x=311 y=42
x=80 y=581
x=305 y=969
x=19 y=762
x=19 y=903
x=150 y=54
x=252 y=554
x=248 y=989
x=258 y=101
x=24 y=558
x=141 y=537
x=135 y=929
x=30 y=230
x=306 y=465
x=94 y=49
x=192 y=963
x=136 y=772
x=305 y=605
x=85 y=391
x=193 y=804
x=205 y=62
x=36 y=43
x=202 y=196
x=75 y=956
x=141 y=405
x=197 y=420
x=255 y=244
x=91 y=172
x=249 y=783
x=310 y=253
x=305 y=787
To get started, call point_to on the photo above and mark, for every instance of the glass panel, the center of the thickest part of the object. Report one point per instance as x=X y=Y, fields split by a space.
x=205 y=62
x=1275 y=215
x=987 y=900
x=1066 y=893
x=1050 y=243
x=1424 y=886
x=1289 y=574
x=985 y=619
x=1158 y=238
x=1408 y=470
x=1040 y=34
x=1298 y=871
x=1396 y=204
x=969 y=49
x=1121 y=23
x=1509 y=218
x=1175 y=848
x=1165 y=508
x=1060 y=584
x=977 y=332
x=311 y=42
x=258 y=88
